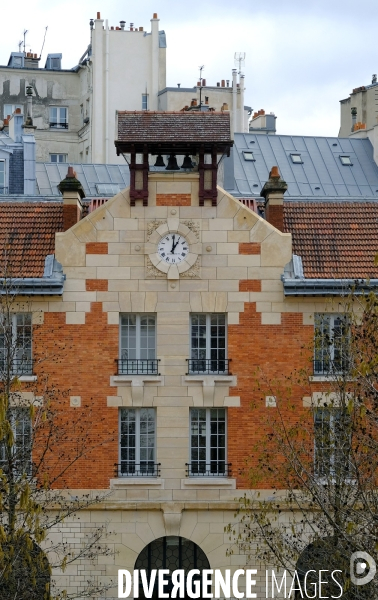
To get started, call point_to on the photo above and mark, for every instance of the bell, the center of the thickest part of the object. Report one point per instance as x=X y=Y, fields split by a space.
x=187 y=164
x=159 y=161
x=172 y=163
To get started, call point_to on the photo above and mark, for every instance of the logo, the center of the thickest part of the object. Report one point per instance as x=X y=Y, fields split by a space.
x=362 y=568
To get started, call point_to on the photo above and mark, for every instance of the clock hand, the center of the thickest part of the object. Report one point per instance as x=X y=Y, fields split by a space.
x=173 y=243
x=178 y=241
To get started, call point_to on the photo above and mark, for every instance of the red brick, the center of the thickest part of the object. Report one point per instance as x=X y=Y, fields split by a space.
x=249 y=248
x=96 y=248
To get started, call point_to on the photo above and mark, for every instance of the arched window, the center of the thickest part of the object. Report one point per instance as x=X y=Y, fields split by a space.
x=170 y=552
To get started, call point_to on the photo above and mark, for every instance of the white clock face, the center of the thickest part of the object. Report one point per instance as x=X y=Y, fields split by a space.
x=173 y=248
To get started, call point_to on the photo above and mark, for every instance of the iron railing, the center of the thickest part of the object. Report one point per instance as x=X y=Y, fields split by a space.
x=216 y=468
x=130 y=468
x=208 y=366
x=58 y=125
x=328 y=366
x=18 y=366
x=137 y=366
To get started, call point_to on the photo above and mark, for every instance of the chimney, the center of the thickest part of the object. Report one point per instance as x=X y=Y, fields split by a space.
x=72 y=192
x=273 y=192
x=15 y=126
x=28 y=126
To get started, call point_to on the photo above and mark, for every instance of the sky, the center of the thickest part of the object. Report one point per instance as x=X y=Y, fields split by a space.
x=302 y=56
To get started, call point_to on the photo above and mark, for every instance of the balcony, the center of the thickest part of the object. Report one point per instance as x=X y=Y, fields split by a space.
x=136 y=366
x=58 y=125
x=208 y=366
x=216 y=468
x=17 y=367
x=132 y=469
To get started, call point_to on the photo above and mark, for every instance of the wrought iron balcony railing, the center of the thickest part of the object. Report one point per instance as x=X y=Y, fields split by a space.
x=58 y=125
x=208 y=366
x=130 y=468
x=136 y=366
x=216 y=468
x=18 y=366
x=330 y=367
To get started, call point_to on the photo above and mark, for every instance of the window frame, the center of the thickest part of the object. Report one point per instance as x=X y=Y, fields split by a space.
x=294 y=156
x=326 y=349
x=55 y=162
x=144 y=101
x=19 y=415
x=208 y=467
x=207 y=367
x=346 y=160
x=59 y=122
x=4 y=187
x=146 y=467
x=137 y=365
x=26 y=360
x=337 y=455
x=246 y=154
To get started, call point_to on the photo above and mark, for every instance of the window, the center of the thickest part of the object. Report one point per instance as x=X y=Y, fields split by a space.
x=58 y=158
x=3 y=189
x=144 y=101
x=16 y=345
x=58 y=117
x=208 y=344
x=208 y=442
x=345 y=160
x=248 y=156
x=137 y=442
x=19 y=457
x=331 y=356
x=296 y=158
x=138 y=345
x=10 y=108
x=332 y=442
x=107 y=189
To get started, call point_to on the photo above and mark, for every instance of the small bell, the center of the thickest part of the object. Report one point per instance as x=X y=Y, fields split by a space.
x=187 y=164
x=159 y=161
x=172 y=163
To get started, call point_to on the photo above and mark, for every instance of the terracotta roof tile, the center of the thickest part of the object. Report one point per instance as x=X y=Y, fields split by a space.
x=334 y=239
x=192 y=127
x=27 y=234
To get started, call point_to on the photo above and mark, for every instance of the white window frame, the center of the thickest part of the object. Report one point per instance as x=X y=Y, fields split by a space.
x=58 y=155
x=61 y=121
x=325 y=346
x=144 y=462
x=211 y=365
x=13 y=107
x=21 y=425
x=3 y=175
x=21 y=359
x=210 y=466
x=138 y=360
x=337 y=456
x=144 y=101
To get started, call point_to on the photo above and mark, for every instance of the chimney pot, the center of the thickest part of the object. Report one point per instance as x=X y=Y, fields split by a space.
x=155 y=16
x=18 y=111
x=203 y=82
x=273 y=192
x=140 y=28
x=227 y=82
x=98 y=15
x=218 y=84
x=223 y=83
x=198 y=84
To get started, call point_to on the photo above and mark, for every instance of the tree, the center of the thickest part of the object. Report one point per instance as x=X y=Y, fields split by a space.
x=322 y=462
x=40 y=444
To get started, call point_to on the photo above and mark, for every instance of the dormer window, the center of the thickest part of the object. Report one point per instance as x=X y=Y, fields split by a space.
x=248 y=156
x=345 y=160
x=296 y=159
x=54 y=62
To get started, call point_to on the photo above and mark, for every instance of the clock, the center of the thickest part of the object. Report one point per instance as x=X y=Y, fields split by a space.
x=173 y=248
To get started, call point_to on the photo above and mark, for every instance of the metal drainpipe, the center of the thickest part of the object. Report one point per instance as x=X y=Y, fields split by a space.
x=106 y=91
x=242 y=103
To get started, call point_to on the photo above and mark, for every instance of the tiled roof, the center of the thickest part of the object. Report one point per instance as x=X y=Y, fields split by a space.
x=334 y=239
x=191 y=127
x=27 y=232
x=320 y=174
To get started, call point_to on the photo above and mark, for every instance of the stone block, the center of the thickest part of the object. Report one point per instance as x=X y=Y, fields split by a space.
x=270 y=318
x=75 y=318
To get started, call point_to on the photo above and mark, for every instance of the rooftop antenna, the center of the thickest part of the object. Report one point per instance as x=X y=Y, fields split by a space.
x=44 y=38
x=25 y=32
x=239 y=58
x=200 y=70
x=19 y=46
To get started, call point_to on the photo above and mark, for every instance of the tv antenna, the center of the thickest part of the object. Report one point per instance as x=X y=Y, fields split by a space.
x=44 y=38
x=25 y=32
x=200 y=70
x=239 y=58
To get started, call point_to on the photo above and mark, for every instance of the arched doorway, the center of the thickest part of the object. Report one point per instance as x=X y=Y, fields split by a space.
x=170 y=552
